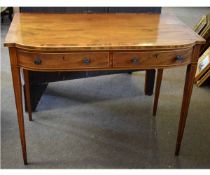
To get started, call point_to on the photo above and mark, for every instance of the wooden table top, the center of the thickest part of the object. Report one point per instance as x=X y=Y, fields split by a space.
x=66 y=32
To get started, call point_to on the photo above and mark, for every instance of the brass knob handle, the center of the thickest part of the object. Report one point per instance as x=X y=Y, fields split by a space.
x=86 y=61
x=179 y=58
x=135 y=60
x=37 y=61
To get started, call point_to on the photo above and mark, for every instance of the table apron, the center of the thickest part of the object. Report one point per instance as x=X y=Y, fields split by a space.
x=103 y=60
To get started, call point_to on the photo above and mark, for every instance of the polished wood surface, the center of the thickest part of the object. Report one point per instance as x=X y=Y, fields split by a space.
x=62 y=42
x=37 y=85
x=61 y=61
x=56 y=32
x=102 y=60
x=151 y=59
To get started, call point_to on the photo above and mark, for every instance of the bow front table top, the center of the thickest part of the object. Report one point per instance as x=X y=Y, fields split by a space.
x=88 y=42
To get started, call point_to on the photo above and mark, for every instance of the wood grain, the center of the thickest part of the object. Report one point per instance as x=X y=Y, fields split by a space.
x=64 y=32
x=60 y=42
x=18 y=101
x=103 y=60
x=151 y=59
x=59 y=61
x=188 y=87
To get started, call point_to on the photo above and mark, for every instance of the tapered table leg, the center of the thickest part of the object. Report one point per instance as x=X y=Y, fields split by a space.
x=27 y=93
x=18 y=100
x=157 y=90
x=190 y=74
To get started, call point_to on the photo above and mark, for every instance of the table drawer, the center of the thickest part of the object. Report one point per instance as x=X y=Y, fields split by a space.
x=152 y=59
x=63 y=60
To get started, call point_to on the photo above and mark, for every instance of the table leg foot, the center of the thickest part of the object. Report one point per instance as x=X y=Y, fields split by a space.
x=177 y=149
x=25 y=162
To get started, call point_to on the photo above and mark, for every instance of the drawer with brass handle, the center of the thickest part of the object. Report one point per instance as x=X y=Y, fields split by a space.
x=151 y=59
x=62 y=61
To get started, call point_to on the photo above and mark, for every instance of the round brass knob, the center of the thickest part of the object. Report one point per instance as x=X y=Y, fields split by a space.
x=135 y=60
x=37 y=61
x=179 y=58
x=86 y=61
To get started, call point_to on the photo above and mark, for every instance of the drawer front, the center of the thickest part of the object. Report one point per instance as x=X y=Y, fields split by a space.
x=151 y=59
x=48 y=61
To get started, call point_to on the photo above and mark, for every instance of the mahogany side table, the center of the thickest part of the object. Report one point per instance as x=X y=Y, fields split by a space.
x=89 y=42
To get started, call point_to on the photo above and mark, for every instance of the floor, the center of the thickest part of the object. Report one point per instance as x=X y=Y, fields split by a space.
x=106 y=122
